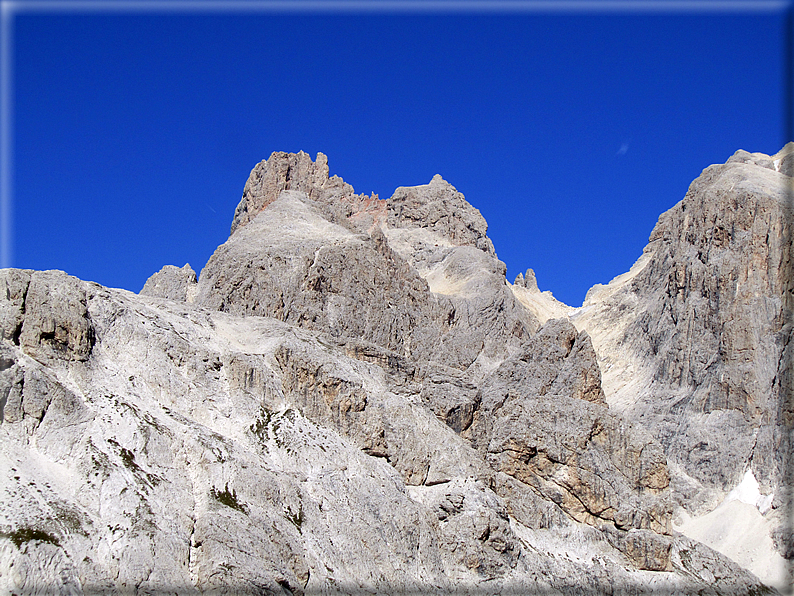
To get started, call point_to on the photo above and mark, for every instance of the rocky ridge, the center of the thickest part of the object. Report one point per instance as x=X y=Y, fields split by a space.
x=694 y=342
x=350 y=399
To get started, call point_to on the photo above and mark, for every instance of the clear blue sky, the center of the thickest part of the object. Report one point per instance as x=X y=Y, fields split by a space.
x=572 y=132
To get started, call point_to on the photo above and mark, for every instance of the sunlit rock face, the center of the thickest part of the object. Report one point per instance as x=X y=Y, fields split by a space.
x=350 y=399
x=695 y=341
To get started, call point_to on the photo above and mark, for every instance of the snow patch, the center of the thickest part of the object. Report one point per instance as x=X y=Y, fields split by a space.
x=748 y=492
x=740 y=530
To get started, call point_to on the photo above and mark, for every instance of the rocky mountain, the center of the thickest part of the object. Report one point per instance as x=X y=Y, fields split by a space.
x=694 y=342
x=352 y=399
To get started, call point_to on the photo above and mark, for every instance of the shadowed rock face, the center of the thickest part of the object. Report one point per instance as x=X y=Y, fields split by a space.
x=351 y=400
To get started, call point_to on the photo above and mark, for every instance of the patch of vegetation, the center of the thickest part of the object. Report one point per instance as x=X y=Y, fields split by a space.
x=99 y=459
x=216 y=443
x=219 y=454
x=21 y=536
x=227 y=567
x=297 y=520
x=259 y=428
x=227 y=498
x=290 y=416
x=128 y=458
x=143 y=523
x=276 y=436
x=152 y=421
x=68 y=518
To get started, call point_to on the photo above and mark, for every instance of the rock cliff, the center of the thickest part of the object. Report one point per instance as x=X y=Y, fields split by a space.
x=349 y=399
x=694 y=342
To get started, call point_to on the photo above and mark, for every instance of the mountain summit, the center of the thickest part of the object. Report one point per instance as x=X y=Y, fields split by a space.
x=351 y=398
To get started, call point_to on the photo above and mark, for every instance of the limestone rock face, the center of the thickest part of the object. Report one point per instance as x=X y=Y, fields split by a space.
x=283 y=171
x=45 y=312
x=528 y=281
x=693 y=341
x=703 y=320
x=297 y=172
x=416 y=274
x=543 y=420
x=441 y=210
x=434 y=229
x=292 y=264
x=352 y=399
x=543 y=305
x=173 y=283
x=168 y=472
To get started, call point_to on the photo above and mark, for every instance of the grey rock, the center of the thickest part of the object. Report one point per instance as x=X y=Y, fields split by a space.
x=694 y=341
x=443 y=238
x=698 y=561
x=785 y=165
x=704 y=316
x=645 y=549
x=174 y=485
x=297 y=172
x=13 y=288
x=451 y=397
x=439 y=208
x=530 y=282
x=293 y=264
x=45 y=313
x=527 y=281
x=542 y=420
x=283 y=171
x=355 y=402
x=172 y=283
x=474 y=529
x=304 y=257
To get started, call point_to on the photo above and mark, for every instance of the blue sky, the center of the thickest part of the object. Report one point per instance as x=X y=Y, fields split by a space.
x=571 y=131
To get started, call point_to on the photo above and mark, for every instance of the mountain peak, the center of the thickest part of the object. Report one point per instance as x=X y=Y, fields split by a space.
x=352 y=397
x=285 y=171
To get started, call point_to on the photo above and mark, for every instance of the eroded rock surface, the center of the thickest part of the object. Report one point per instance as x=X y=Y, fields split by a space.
x=352 y=399
x=174 y=283
x=694 y=341
x=703 y=322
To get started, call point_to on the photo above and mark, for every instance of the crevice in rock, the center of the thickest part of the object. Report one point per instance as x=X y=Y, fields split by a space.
x=17 y=332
